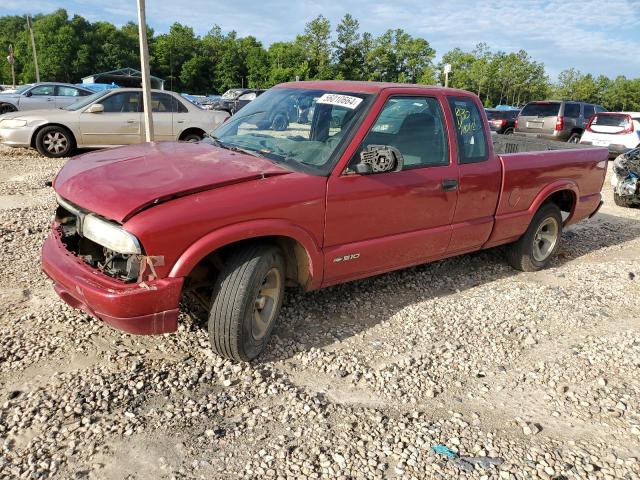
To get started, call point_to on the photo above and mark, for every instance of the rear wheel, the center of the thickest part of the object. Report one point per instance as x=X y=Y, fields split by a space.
x=246 y=301
x=508 y=131
x=534 y=250
x=574 y=138
x=192 y=137
x=55 y=142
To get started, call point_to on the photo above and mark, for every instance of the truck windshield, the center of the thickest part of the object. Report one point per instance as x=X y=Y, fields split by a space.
x=541 y=109
x=301 y=128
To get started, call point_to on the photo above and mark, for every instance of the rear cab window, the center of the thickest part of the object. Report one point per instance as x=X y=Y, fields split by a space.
x=541 y=109
x=472 y=142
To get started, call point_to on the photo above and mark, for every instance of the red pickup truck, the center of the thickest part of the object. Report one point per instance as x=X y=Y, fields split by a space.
x=310 y=185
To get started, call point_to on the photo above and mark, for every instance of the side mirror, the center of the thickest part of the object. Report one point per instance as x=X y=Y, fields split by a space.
x=379 y=159
x=28 y=94
x=96 y=108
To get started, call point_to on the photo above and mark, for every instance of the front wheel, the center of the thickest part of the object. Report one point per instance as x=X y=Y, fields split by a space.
x=246 y=301
x=54 y=142
x=534 y=250
x=7 y=108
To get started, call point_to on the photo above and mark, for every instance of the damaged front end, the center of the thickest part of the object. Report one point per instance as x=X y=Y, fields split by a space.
x=104 y=245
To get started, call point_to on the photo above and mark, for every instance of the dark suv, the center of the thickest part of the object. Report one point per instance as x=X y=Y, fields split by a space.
x=501 y=121
x=563 y=120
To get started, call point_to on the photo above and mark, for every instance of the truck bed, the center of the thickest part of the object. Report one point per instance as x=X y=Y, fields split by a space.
x=538 y=169
x=515 y=143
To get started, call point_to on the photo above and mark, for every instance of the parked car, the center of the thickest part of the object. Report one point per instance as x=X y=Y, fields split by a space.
x=618 y=131
x=234 y=99
x=105 y=119
x=625 y=178
x=44 y=95
x=502 y=121
x=254 y=210
x=557 y=120
x=201 y=101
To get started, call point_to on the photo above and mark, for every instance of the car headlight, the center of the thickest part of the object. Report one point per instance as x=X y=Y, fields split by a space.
x=110 y=235
x=12 y=123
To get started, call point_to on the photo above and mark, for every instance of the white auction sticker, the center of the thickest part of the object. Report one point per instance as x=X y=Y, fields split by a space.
x=340 y=100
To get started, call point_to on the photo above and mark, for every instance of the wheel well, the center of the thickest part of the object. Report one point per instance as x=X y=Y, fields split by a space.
x=35 y=132
x=565 y=200
x=198 y=131
x=200 y=280
x=577 y=130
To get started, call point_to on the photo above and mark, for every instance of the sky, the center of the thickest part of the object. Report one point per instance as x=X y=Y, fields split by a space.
x=594 y=36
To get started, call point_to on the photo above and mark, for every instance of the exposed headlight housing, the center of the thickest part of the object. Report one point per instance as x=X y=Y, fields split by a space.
x=12 y=123
x=110 y=235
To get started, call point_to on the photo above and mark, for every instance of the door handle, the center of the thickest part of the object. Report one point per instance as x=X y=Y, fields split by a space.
x=50 y=99
x=180 y=121
x=131 y=121
x=449 y=185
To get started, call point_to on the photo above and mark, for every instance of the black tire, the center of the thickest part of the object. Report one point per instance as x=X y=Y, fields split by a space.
x=234 y=331
x=623 y=201
x=7 y=108
x=280 y=122
x=508 y=131
x=524 y=254
x=574 y=138
x=191 y=137
x=55 y=142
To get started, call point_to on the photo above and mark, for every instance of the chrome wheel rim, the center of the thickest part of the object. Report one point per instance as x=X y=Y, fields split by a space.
x=55 y=142
x=545 y=239
x=265 y=304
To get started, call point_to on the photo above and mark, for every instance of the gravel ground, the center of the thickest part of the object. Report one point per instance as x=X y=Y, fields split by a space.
x=538 y=371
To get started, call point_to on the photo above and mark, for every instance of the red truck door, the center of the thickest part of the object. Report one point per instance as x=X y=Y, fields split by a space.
x=384 y=221
x=480 y=176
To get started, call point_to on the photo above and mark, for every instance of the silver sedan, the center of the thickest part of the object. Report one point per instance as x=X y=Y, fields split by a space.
x=105 y=119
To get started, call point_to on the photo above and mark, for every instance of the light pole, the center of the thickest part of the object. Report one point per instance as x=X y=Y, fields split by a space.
x=446 y=70
x=11 y=61
x=144 y=69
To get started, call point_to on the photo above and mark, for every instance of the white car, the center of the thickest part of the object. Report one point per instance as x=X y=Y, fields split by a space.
x=106 y=119
x=619 y=131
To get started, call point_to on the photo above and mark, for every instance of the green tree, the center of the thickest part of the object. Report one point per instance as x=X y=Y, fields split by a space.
x=317 y=47
x=348 y=51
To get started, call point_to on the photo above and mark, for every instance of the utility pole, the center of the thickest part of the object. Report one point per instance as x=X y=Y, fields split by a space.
x=33 y=46
x=11 y=61
x=144 y=69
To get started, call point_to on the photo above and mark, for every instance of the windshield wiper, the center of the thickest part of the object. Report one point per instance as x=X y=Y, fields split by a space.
x=234 y=148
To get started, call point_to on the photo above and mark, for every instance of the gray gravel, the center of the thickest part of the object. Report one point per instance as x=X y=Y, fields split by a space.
x=531 y=375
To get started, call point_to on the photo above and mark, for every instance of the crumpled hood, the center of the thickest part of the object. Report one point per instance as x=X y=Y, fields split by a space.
x=120 y=182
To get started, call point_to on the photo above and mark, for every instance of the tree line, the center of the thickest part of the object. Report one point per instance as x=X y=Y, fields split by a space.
x=72 y=48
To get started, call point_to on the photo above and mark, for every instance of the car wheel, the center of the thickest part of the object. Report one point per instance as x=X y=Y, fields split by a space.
x=280 y=122
x=535 y=249
x=574 y=138
x=621 y=201
x=192 y=137
x=7 y=108
x=246 y=301
x=508 y=131
x=54 y=142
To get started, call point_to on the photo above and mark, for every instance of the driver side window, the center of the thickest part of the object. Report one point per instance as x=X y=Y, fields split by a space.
x=415 y=126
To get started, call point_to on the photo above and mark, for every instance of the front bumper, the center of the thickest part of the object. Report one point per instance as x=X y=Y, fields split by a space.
x=127 y=307
x=16 y=137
